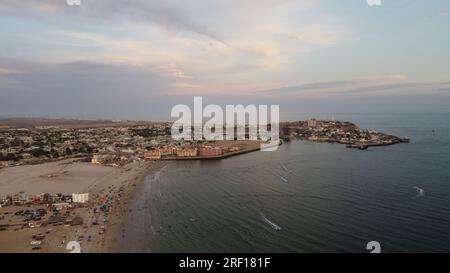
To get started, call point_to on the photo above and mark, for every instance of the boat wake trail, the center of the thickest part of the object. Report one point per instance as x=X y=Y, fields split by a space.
x=284 y=179
x=270 y=223
x=420 y=191
x=153 y=230
x=285 y=168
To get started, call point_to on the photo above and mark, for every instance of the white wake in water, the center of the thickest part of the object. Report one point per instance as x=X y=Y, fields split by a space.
x=420 y=192
x=285 y=168
x=153 y=230
x=271 y=224
x=284 y=179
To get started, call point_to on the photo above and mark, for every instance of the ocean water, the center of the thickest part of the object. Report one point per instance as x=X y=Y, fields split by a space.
x=305 y=197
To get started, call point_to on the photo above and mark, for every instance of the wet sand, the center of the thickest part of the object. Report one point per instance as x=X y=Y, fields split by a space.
x=141 y=229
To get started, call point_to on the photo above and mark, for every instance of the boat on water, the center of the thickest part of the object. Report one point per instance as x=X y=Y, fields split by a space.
x=272 y=224
x=284 y=179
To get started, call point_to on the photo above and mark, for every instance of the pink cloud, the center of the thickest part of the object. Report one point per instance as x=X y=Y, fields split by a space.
x=6 y=71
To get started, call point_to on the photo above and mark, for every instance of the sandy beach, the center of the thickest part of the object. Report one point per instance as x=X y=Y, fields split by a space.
x=113 y=184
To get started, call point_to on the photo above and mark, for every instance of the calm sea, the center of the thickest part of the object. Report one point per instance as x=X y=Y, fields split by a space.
x=305 y=197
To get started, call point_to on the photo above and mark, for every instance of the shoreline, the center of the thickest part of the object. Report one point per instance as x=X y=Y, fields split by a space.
x=122 y=208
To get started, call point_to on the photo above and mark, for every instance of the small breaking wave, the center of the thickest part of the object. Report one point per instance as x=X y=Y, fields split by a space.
x=158 y=173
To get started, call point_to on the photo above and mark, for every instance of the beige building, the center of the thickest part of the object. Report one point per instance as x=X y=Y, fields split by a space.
x=160 y=152
x=187 y=152
x=80 y=197
x=210 y=151
x=312 y=122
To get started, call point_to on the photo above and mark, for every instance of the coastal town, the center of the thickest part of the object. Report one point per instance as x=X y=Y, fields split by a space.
x=110 y=146
x=120 y=144
x=78 y=178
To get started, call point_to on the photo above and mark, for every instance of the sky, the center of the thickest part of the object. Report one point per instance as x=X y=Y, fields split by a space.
x=136 y=59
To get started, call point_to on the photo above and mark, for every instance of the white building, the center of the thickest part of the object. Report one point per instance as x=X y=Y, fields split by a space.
x=80 y=197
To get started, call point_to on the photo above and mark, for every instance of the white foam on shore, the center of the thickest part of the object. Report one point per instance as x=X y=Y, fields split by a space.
x=158 y=173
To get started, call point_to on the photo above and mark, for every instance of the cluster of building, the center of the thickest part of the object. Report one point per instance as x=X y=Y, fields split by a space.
x=113 y=160
x=343 y=132
x=171 y=151
x=109 y=146
x=57 y=200
x=113 y=145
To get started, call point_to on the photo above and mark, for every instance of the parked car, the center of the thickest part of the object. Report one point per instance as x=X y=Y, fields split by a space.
x=39 y=237
x=41 y=212
x=35 y=243
x=20 y=212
